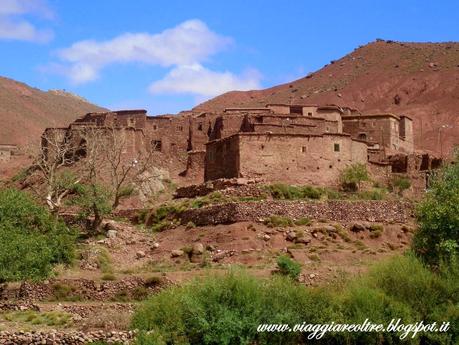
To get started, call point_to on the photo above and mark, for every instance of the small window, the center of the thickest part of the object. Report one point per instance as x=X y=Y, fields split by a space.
x=156 y=145
x=155 y=127
x=199 y=126
x=336 y=147
x=180 y=128
x=362 y=136
x=303 y=149
x=262 y=146
x=309 y=114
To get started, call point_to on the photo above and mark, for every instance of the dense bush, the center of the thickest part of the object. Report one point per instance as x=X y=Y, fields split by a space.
x=400 y=184
x=290 y=192
x=437 y=239
x=353 y=175
x=228 y=309
x=31 y=239
x=288 y=267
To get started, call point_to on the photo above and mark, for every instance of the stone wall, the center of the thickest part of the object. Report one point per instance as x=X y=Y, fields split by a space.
x=84 y=289
x=339 y=210
x=53 y=337
x=235 y=187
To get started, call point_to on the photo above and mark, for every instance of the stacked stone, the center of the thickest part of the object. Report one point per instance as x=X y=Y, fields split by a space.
x=55 y=337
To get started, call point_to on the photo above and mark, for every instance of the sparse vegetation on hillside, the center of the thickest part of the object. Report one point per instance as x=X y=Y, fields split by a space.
x=31 y=239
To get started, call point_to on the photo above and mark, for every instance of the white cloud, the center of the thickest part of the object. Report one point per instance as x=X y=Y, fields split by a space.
x=198 y=80
x=188 y=43
x=14 y=27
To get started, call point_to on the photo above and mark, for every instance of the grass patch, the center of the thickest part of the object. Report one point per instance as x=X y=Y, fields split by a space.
x=104 y=261
x=278 y=221
x=65 y=292
x=302 y=221
x=52 y=318
x=360 y=245
x=289 y=192
x=108 y=277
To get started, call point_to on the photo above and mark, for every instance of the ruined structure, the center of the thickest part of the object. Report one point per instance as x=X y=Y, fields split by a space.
x=6 y=151
x=301 y=144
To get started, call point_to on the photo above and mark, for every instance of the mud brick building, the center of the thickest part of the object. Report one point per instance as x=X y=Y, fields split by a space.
x=302 y=144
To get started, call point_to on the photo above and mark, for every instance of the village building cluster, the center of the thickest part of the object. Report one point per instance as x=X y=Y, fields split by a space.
x=300 y=144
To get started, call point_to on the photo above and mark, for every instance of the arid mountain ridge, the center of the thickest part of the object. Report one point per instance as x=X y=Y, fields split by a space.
x=420 y=80
x=25 y=111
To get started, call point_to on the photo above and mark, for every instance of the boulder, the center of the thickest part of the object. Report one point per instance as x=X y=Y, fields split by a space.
x=291 y=236
x=177 y=253
x=303 y=240
x=198 y=249
x=358 y=227
x=140 y=254
x=112 y=233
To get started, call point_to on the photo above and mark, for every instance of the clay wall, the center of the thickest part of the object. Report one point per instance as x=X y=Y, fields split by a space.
x=298 y=159
x=167 y=134
x=222 y=158
x=302 y=159
x=387 y=130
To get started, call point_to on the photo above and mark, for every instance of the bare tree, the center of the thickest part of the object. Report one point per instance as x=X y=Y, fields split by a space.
x=124 y=167
x=55 y=153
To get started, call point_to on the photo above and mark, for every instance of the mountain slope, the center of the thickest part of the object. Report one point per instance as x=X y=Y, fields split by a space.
x=25 y=111
x=417 y=79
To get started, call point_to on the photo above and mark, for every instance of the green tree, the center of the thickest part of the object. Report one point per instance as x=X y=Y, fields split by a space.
x=437 y=239
x=94 y=201
x=353 y=175
x=31 y=239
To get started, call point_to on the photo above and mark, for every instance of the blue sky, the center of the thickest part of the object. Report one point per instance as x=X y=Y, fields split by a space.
x=167 y=56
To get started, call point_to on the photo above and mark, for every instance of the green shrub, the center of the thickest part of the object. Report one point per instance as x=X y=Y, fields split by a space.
x=104 y=261
x=437 y=239
x=376 y=234
x=278 y=221
x=302 y=221
x=289 y=192
x=353 y=175
x=32 y=240
x=64 y=292
x=372 y=194
x=288 y=267
x=139 y=293
x=400 y=184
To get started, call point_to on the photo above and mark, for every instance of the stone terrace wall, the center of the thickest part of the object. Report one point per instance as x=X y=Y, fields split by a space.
x=339 y=210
